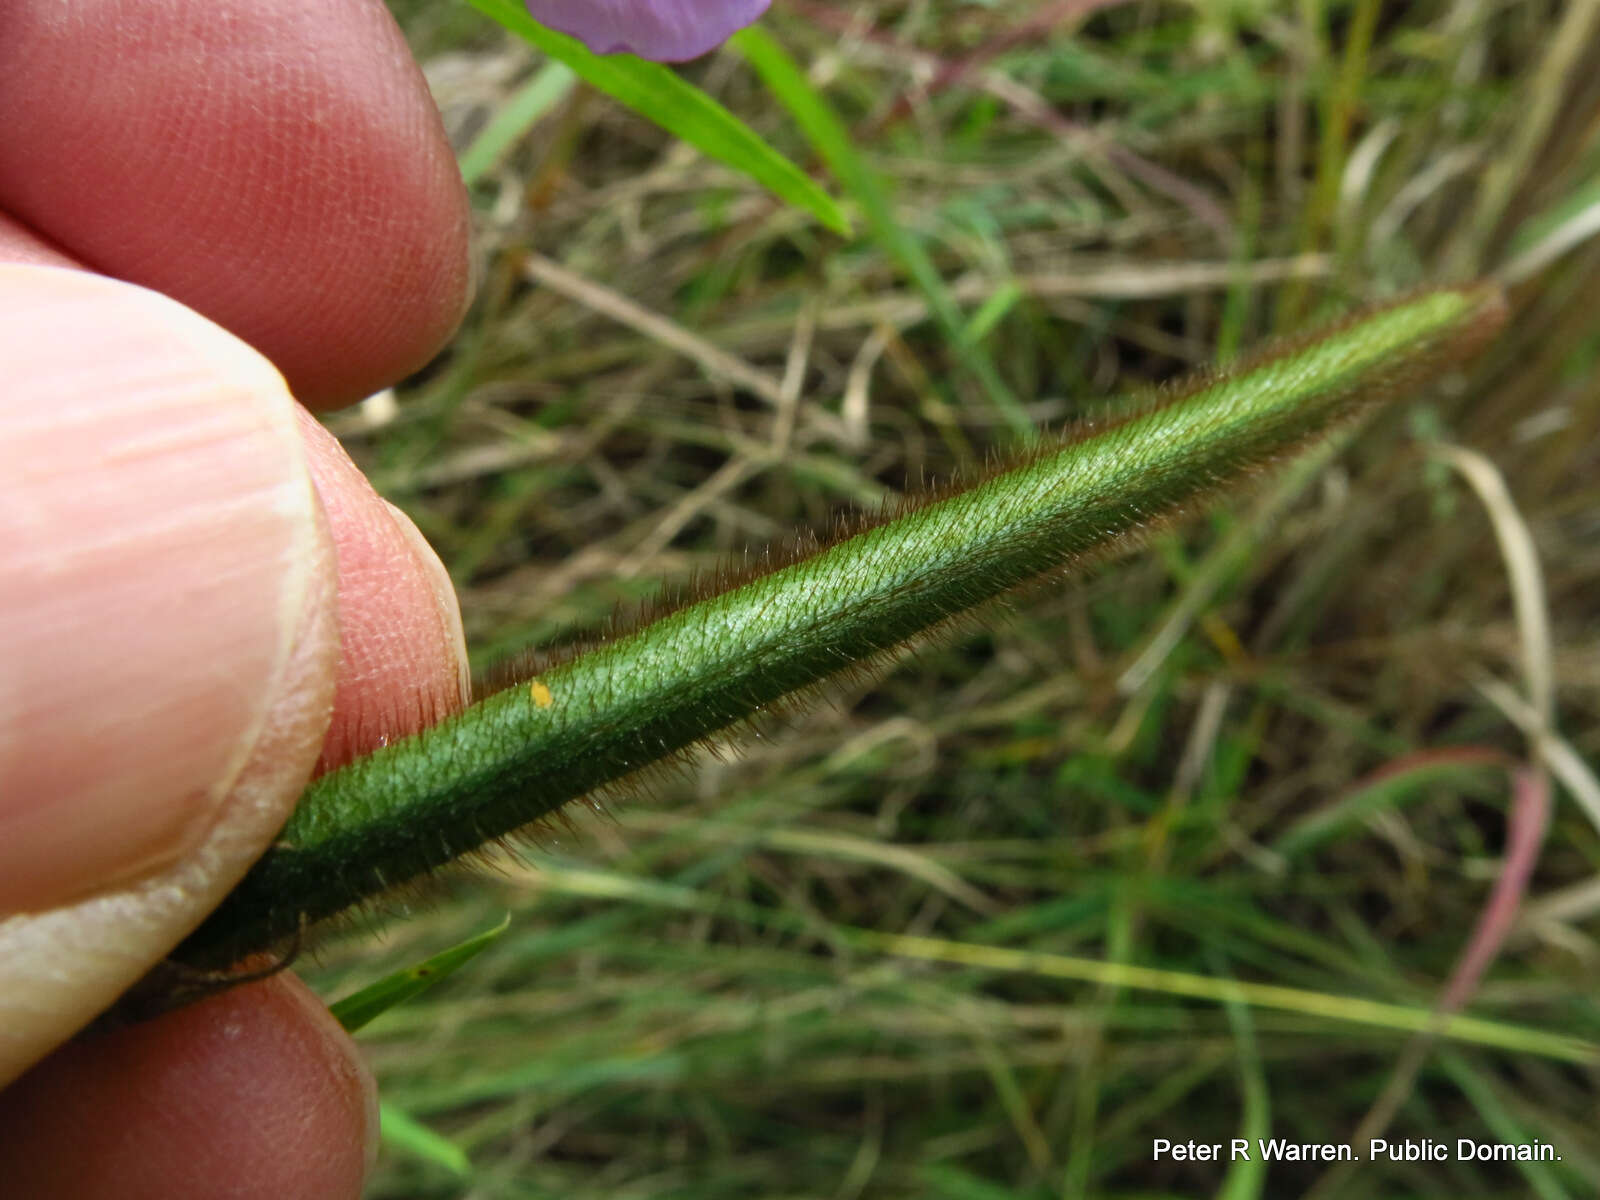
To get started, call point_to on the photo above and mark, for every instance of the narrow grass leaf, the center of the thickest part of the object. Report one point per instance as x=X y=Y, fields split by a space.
x=550 y=85
x=683 y=110
x=827 y=133
x=1507 y=1129
x=360 y=1008
x=945 y=1181
x=1387 y=790
x=1398 y=1018
x=404 y=1134
x=1553 y=232
x=1247 y=1176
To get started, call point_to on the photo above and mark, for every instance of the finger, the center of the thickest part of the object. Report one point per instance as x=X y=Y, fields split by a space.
x=402 y=655
x=167 y=621
x=276 y=165
x=256 y=1092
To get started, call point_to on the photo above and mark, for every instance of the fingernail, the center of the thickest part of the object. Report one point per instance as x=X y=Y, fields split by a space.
x=157 y=539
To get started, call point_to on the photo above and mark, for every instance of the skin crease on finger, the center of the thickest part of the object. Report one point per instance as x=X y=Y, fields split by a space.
x=276 y=165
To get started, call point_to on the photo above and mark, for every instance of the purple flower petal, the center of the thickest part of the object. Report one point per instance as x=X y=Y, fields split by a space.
x=664 y=30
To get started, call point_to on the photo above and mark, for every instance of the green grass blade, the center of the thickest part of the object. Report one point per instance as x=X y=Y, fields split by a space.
x=1385 y=792
x=1247 y=1176
x=1356 y=1010
x=404 y=1134
x=683 y=110
x=1554 y=232
x=362 y=1007
x=549 y=86
x=828 y=134
x=1505 y=1126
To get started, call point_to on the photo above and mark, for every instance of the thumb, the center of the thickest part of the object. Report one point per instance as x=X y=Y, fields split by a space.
x=167 y=628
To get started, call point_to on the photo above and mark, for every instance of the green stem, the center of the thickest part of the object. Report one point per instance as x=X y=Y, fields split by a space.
x=647 y=694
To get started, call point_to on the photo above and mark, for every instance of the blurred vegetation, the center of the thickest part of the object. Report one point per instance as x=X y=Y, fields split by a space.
x=874 y=952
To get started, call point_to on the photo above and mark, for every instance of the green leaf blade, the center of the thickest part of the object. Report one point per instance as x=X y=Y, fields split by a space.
x=831 y=139
x=662 y=96
x=403 y=1133
x=360 y=1008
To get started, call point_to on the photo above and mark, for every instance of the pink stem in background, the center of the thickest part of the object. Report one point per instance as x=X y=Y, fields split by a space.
x=1441 y=756
x=1528 y=819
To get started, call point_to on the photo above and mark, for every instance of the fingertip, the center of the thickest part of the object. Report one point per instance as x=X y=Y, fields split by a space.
x=256 y=1092
x=279 y=167
x=403 y=662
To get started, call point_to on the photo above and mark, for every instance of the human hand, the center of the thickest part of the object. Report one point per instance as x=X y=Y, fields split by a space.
x=176 y=539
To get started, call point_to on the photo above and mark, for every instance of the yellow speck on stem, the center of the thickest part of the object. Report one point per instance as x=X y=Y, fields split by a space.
x=539 y=694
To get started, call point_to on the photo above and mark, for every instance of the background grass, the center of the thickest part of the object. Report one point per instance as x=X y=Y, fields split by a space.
x=866 y=955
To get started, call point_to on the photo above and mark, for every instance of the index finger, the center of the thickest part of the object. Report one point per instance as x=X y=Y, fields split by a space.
x=276 y=165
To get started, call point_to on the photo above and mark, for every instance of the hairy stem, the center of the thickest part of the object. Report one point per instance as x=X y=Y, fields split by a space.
x=648 y=693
